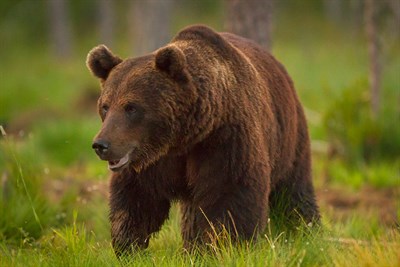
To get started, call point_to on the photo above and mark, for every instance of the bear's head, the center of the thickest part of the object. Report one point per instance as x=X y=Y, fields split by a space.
x=142 y=105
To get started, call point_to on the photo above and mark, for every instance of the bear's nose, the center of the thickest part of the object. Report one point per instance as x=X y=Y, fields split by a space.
x=101 y=146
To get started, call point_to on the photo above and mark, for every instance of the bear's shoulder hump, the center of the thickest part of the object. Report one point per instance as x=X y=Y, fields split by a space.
x=206 y=34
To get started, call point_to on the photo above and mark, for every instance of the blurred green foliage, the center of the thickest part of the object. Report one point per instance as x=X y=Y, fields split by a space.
x=24 y=210
x=66 y=143
x=36 y=195
x=355 y=133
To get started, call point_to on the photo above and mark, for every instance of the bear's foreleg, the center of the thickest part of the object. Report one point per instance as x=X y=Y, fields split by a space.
x=235 y=215
x=134 y=213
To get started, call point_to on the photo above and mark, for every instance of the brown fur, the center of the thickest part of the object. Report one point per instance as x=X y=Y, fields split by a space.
x=216 y=124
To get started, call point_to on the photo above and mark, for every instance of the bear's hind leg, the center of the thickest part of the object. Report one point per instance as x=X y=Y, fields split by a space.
x=292 y=201
x=294 y=205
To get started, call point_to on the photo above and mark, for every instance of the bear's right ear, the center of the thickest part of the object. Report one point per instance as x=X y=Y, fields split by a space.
x=101 y=61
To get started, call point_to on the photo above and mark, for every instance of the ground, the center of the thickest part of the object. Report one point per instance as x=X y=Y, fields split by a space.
x=338 y=203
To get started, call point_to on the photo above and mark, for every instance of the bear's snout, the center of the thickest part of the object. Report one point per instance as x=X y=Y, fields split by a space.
x=101 y=147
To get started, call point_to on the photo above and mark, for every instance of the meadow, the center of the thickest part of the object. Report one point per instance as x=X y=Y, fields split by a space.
x=53 y=191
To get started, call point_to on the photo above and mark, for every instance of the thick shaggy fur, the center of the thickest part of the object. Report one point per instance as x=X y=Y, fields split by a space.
x=215 y=124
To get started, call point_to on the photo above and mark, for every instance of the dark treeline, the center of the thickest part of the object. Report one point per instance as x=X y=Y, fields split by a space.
x=147 y=24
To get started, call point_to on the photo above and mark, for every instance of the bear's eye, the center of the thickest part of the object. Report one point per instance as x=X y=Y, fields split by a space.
x=104 y=109
x=131 y=108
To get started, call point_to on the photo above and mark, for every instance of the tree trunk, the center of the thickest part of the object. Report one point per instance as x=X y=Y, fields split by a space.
x=106 y=22
x=394 y=6
x=373 y=53
x=150 y=21
x=250 y=19
x=60 y=32
x=333 y=9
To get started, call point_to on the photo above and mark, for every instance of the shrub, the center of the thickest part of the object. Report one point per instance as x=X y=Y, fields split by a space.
x=354 y=134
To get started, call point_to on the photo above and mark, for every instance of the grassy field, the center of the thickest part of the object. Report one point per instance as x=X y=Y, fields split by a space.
x=53 y=191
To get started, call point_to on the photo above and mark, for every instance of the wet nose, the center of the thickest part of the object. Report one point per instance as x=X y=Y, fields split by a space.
x=101 y=147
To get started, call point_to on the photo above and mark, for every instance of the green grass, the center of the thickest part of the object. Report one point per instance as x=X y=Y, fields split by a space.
x=75 y=245
x=72 y=229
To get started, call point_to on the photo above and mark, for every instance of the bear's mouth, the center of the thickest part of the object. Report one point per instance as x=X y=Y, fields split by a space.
x=115 y=165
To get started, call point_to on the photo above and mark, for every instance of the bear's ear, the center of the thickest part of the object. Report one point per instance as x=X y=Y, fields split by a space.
x=101 y=61
x=171 y=60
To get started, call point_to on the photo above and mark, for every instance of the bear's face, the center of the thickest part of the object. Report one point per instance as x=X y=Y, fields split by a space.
x=138 y=105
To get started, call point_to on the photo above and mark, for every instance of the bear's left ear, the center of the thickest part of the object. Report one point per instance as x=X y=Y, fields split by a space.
x=171 y=60
x=101 y=61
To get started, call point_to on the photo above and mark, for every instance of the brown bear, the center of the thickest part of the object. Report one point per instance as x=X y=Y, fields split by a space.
x=211 y=120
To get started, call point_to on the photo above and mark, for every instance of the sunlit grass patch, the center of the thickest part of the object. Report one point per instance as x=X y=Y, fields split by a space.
x=379 y=175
